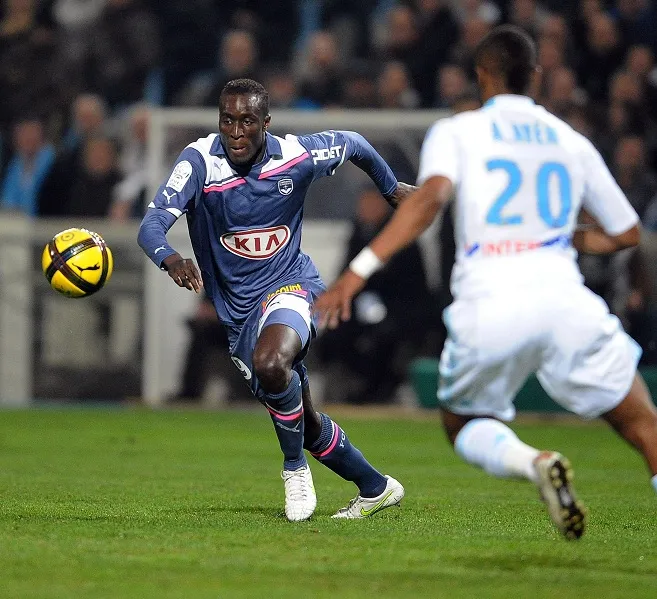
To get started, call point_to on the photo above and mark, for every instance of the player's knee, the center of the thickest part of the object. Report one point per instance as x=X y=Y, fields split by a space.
x=272 y=369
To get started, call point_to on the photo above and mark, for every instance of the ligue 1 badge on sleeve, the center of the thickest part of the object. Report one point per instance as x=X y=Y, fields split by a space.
x=285 y=186
x=179 y=176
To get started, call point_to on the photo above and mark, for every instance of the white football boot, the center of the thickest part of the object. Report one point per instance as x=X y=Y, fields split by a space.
x=555 y=475
x=300 y=498
x=362 y=507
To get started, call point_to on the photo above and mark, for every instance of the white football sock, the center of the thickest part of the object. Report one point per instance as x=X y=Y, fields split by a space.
x=653 y=480
x=493 y=446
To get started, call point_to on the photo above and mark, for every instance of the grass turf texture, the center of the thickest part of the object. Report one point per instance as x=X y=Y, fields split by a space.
x=131 y=503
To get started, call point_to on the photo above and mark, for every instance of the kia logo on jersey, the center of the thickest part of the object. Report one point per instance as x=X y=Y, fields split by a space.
x=256 y=244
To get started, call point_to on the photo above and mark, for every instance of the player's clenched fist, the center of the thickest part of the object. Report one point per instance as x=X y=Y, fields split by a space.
x=183 y=272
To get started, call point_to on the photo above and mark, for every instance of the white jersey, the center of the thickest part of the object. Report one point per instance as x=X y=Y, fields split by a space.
x=521 y=176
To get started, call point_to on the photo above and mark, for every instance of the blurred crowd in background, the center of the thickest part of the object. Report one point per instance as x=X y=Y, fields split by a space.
x=78 y=77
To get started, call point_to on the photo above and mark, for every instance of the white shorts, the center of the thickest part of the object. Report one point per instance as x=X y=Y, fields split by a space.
x=581 y=355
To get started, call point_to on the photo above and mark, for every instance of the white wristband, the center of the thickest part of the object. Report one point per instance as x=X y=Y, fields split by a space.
x=366 y=263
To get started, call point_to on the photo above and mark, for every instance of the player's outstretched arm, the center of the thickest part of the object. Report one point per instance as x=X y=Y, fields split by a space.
x=362 y=154
x=172 y=200
x=330 y=149
x=410 y=220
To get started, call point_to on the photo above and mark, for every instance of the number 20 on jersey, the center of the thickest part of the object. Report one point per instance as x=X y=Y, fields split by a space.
x=501 y=212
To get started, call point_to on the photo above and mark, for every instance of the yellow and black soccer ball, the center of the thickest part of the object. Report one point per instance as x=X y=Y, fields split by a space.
x=77 y=262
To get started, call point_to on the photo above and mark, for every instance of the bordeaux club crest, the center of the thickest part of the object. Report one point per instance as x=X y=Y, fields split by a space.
x=285 y=186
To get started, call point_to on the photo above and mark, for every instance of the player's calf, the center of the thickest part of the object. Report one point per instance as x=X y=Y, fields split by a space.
x=635 y=419
x=333 y=449
x=494 y=447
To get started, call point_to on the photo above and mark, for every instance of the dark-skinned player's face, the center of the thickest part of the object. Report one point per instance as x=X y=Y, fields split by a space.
x=242 y=127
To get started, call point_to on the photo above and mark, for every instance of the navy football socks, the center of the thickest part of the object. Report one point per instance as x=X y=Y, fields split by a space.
x=334 y=450
x=286 y=411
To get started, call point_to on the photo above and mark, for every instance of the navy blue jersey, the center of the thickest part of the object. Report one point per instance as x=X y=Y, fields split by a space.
x=246 y=228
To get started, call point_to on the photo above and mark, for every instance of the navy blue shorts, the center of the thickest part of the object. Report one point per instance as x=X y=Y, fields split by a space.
x=288 y=304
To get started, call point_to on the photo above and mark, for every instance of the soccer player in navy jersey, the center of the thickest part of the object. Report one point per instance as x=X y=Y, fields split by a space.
x=243 y=191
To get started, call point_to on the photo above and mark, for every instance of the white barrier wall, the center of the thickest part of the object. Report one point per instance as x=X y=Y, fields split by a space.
x=15 y=311
x=131 y=335
x=55 y=347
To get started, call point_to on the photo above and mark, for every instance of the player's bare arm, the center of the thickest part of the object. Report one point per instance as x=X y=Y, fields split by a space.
x=591 y=238
x=410 y=220
x=183 y=271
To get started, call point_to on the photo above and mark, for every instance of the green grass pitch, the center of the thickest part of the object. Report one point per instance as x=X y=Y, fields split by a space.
x=182 y=504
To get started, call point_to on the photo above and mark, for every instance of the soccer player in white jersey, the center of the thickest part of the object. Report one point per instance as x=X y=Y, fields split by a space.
x=520 y=177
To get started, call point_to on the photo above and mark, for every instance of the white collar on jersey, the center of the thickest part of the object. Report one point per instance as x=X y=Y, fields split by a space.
x=508 y=99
